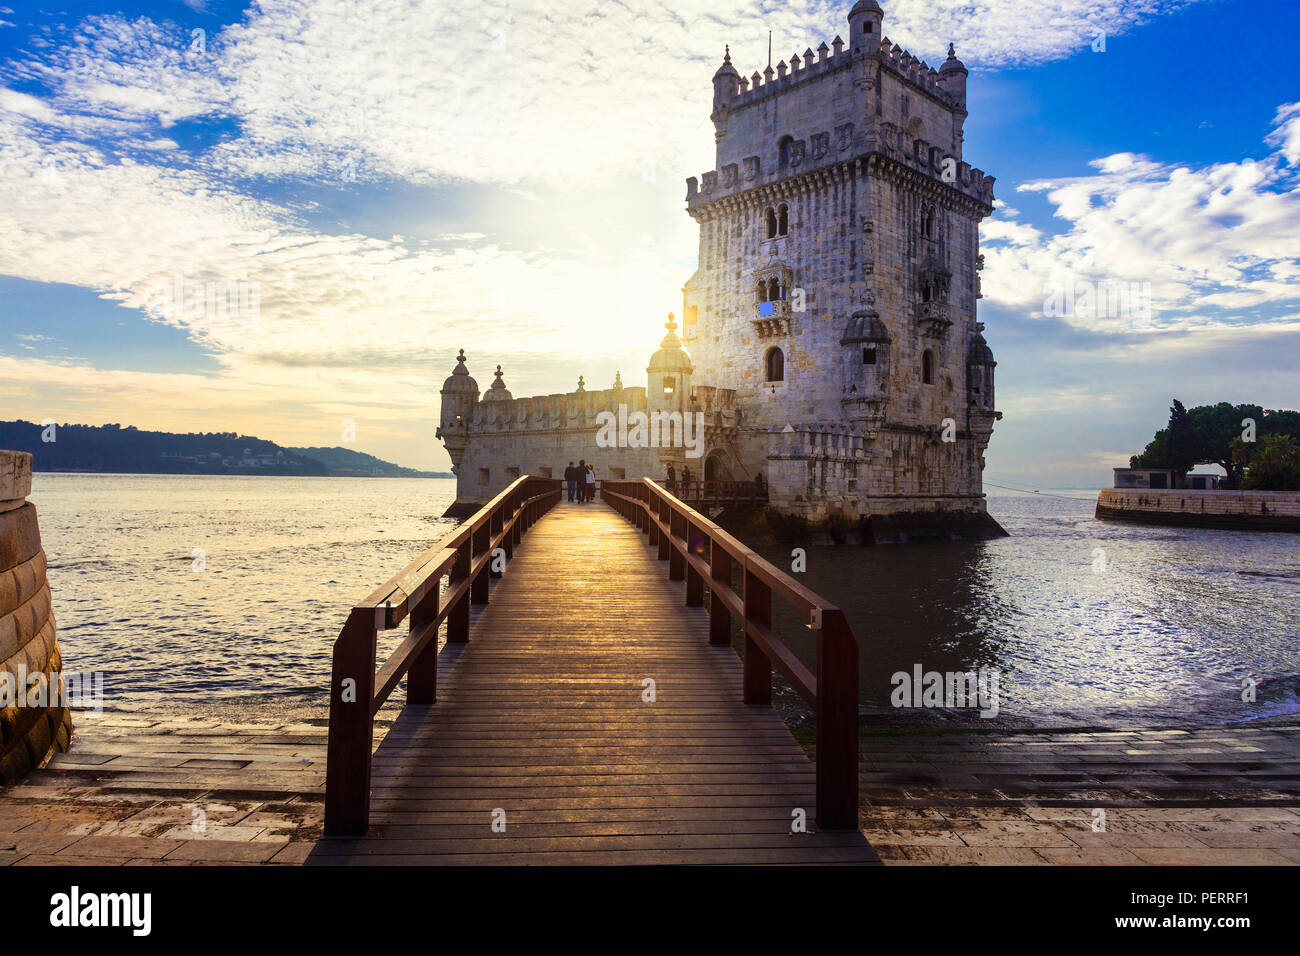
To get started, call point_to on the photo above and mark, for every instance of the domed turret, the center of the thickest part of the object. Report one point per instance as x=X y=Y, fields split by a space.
x=498 y=392
x=979 y=373
x=866 y=21
x=864 y=356
x=669 y=372
x=952 y=77
x=459 y=396
x=726 y=82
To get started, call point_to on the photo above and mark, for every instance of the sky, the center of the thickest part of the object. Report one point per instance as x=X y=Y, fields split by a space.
x=371 y=185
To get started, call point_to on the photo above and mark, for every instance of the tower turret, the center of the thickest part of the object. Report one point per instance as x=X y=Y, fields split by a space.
x=864 y=356
x=726 y=86
x=669 y=373
x=866 y=21
x=459 y=396
x=952 y=77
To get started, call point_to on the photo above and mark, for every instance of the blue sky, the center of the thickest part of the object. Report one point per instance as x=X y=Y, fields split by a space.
x=385 y=183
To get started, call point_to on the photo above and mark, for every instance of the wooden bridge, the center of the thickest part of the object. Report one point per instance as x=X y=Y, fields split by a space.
x=587 y=706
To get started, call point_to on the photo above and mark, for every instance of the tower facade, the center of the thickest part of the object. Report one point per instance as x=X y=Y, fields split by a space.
x=838 y=279
x=829 y=342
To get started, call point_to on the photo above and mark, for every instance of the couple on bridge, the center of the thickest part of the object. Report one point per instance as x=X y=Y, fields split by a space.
x=581 y=479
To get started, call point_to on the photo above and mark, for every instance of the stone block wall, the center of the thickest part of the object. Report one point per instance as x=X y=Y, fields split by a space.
x=29 y=736
x=1238 y=510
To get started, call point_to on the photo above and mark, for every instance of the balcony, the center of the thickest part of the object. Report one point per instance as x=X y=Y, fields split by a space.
x=772 y=318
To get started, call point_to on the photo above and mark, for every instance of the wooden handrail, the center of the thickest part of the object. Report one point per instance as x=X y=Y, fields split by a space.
x=703 y=554
x=715 y=491
x=468 y=556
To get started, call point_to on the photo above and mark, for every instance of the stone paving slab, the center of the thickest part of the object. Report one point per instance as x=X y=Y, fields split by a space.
x=1214 y=797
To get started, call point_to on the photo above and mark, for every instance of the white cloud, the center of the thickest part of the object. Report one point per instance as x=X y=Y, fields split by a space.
x=1217 y=245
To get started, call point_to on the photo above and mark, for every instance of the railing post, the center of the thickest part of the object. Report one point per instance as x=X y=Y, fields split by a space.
x=351 y=729
x=651 y=526
x=837 y=724
x=422 y=678
x=458 y=618
x=758 y=669
x=676 y=561
x=496 y=522
x=694 y=580
x=664 y=510
x=481 y=538
x=720 y=579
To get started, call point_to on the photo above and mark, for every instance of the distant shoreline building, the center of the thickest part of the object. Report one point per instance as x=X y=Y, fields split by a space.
x=829 y=339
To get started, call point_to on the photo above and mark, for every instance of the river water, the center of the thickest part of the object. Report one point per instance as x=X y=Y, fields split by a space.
x=212 y=592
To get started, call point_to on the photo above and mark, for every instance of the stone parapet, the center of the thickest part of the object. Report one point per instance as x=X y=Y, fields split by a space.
x=1233 y=510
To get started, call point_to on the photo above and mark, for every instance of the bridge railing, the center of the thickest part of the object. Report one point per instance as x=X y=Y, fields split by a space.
x=709 y=491
x=468 y=556
x=703 y=554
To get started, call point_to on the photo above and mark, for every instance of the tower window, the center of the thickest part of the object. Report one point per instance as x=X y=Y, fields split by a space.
x=670 y=384
x=866 y=27
x=927 y=222
x=762 y=292
x=774 y=365
x=869 y=355
x=927 y=367
x=770 y=217
x=783 y=220
x=783 y=150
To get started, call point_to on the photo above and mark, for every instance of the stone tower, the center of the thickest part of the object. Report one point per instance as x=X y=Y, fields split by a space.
x=838 y=278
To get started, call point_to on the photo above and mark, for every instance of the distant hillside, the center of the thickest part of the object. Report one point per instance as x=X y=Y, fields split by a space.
x=345 y=461
x=127 y=450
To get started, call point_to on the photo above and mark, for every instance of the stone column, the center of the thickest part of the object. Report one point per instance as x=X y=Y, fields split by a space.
x=29 y=735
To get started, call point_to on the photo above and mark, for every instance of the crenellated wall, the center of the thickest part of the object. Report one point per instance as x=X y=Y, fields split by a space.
x=29 y=735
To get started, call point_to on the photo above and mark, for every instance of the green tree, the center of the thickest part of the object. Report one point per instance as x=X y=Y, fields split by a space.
x=1274 y=465
x=1219 y=436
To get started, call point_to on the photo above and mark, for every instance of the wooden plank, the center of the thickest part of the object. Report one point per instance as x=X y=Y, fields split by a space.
x=592 y=714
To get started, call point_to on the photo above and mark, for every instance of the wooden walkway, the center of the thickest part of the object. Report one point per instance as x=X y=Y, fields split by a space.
x=545 y=747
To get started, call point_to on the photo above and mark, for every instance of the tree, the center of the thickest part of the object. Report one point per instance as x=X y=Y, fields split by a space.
x=1182 y=445
x=1274 y=465
x=1217 y=436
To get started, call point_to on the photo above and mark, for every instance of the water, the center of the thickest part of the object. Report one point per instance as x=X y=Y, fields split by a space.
x=283 y=560
x=1163 y=636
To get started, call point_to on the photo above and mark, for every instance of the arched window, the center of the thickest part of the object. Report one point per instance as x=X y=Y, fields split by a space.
x=927 y=367
x=762 y=291
x=774 y=365
x=773 y=289
x=770 y=217
x=783 y=220
x=927 y=222
x=783 y=150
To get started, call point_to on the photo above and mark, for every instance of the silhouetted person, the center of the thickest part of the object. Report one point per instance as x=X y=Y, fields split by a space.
x=580 y=480
x=686 y=482
x=672 y=479
x=571 y=479
x=591 y=483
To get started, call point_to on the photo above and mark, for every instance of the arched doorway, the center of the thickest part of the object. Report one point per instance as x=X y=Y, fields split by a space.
x=715 y=468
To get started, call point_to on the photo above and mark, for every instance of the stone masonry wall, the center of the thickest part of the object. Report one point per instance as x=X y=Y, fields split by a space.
x=28 y=735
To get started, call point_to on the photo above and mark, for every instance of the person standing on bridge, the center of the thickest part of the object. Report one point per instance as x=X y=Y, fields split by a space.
x=686 y=482
x=571 y=479
x=591 y=483
x=580 y=480
x=672 y=479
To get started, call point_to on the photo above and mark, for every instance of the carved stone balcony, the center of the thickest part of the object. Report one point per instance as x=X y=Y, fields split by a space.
x=772 y=319
x=934 y=319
